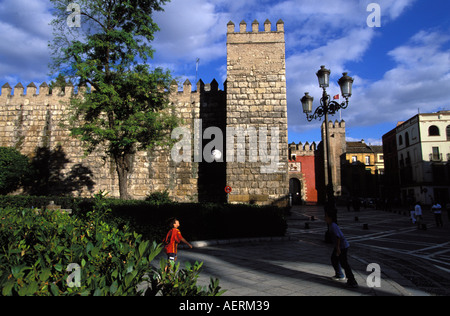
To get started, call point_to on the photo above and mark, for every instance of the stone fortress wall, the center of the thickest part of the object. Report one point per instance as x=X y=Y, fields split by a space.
x=35 y=121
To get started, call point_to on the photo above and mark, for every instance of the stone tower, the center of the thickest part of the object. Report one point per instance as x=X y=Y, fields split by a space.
x=338 y=147
x=257 y=140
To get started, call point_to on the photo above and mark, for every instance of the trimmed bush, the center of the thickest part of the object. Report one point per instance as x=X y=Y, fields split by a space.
x=149 y=218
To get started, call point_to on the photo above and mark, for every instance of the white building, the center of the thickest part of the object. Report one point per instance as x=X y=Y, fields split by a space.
x=423 y=145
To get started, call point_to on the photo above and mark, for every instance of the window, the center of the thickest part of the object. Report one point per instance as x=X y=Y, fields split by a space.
x=354 y=159
x=433 y=131
x=406 y=139
x=367 y=159
x=435 y=156
x=400 y=140
x=448 y=133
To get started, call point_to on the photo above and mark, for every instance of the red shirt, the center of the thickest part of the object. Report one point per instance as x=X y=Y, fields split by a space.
x=172 y=240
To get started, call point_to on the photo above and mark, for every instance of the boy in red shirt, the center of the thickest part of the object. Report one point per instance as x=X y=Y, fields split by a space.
x=172 y=240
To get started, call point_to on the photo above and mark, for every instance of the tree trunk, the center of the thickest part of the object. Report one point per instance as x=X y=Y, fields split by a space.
x=123 y=167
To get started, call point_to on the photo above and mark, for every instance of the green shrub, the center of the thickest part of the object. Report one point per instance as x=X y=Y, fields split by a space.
x=14 y=169
x=37 y=248
x=181 y=282
x=159 y=198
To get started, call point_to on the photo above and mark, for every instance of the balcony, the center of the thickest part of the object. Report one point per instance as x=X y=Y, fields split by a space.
x=436 y=157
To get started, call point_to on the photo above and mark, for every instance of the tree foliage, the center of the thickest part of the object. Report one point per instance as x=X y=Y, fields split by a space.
x=14 y=169
x=128 y=108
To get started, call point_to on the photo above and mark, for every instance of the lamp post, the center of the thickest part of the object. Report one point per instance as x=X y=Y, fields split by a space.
x=327 y=107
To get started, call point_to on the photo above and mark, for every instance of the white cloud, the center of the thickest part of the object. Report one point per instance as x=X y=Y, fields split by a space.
x=369 y=141
x=420 y=80
x=394 y=8
x=24 y=36
x=334 y=53
x=189 y=30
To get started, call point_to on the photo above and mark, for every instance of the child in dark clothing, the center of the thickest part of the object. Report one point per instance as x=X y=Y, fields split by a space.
x=339 y=255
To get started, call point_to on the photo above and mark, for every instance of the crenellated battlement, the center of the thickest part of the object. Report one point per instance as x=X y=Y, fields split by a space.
x=336 y=124
x=256 y=36
x=307 y=147
x=255 y=27
x=200 y=87
x=44 y=90
x=302 y=150
x=69 y=91
x=43 y=96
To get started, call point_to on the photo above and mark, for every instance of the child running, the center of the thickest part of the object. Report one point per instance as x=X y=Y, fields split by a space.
x=339 y=255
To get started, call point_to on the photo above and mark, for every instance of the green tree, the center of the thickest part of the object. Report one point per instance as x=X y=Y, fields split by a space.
x=106 y=44
x=59 y=81
x=14 y=169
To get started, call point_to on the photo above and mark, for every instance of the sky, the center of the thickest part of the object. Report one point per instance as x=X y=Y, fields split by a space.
x=401 y=66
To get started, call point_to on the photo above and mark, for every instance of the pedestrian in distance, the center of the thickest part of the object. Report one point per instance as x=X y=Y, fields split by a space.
x=170 y=243
x=339 y=257
x=418 y=214
x=437 y=210
x=413 y=217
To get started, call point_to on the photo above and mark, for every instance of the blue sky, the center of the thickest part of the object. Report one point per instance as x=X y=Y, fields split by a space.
x=399 y=68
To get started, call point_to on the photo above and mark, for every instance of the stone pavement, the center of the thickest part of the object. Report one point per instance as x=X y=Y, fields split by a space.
x=286 y=267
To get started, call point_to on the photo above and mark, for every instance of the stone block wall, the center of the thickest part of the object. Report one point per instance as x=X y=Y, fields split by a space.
x=338 y=148
x=253 y=107
x=256 y=101
x=36 y=123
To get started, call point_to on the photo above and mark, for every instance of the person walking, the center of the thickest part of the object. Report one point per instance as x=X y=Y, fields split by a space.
x=340 y=252
x=437 y=210
x=173 y=238
x=418 y=214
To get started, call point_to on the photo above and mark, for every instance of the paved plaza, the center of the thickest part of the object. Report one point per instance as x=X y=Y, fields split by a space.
x=412 y=262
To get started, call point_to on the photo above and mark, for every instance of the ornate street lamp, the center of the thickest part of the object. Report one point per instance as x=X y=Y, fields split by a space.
x=327 y=107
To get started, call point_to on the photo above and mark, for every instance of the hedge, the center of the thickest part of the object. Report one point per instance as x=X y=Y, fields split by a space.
x=149 y=218
x=40 y=249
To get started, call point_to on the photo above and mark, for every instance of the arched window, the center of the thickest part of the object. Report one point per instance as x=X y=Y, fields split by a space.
x=448 y=133
x=406 y=139
x=400 y=140
x=433 y=131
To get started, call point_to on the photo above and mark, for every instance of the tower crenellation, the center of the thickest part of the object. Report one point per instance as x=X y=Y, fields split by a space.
x=255 y=27
x=300 y=149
